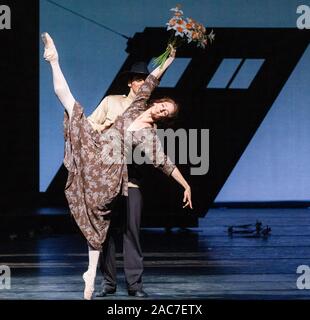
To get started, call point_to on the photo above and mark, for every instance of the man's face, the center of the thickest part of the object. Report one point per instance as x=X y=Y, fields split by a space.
x=136 y=82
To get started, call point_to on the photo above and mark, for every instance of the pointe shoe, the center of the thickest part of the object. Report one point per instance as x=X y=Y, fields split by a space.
x=50 y=52
x=89 y=279
x=44 y=37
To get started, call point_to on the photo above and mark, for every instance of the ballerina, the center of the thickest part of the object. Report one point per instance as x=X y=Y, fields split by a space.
x=96 y=162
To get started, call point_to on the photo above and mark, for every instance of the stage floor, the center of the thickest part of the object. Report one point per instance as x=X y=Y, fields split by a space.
x=198 y=263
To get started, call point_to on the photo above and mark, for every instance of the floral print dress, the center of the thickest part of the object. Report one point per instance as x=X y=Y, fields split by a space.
x=96 y=163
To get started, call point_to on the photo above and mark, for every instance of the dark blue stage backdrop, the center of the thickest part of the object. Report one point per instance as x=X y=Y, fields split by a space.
x=275 y=164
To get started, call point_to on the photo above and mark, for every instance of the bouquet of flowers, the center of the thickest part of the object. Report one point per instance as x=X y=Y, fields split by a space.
x=184 y=29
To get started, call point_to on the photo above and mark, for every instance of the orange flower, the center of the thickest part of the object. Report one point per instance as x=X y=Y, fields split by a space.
x=180 y=29
x=181 y=21
x=189 y=26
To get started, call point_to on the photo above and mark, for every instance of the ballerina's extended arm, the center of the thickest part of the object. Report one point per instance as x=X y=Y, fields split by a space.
x=154 y=151
x=60 y=84
x=150 y=84
x=176 y=174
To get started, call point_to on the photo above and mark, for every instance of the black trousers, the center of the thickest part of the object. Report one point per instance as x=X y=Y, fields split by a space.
x=132 y=253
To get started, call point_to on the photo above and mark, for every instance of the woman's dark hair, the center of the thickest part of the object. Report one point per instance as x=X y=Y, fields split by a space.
x=167 y=121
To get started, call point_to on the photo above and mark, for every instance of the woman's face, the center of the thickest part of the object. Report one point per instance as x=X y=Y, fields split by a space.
x=160 y=110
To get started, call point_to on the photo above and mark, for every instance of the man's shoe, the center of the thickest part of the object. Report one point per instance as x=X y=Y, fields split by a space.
x=137 y=293
x=105 y=291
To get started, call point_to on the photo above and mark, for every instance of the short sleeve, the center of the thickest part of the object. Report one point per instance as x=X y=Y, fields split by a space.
x=98 y=118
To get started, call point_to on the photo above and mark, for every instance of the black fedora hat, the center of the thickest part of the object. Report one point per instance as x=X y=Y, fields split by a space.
x=139 y=68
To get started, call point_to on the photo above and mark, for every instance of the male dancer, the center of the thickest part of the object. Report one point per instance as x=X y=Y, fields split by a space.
x=103 y=117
